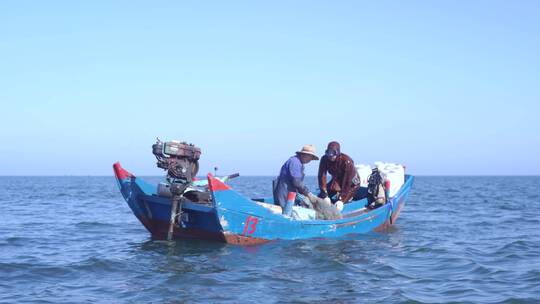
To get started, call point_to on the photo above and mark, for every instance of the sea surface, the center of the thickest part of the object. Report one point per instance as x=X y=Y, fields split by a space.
x=458 y=240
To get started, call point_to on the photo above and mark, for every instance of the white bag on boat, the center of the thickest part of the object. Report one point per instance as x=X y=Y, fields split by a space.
x=363 y=172
x=396 y=179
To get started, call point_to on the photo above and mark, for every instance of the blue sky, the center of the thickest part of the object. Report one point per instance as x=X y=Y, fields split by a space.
x=445 y=87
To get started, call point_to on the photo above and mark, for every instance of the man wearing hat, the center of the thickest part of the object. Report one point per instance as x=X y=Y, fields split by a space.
x=345 y=183
x=291 y=179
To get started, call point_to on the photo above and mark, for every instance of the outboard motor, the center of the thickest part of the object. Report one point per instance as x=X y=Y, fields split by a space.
x=181 y=160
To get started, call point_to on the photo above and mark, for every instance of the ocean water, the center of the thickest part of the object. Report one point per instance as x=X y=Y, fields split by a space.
x=458 y=240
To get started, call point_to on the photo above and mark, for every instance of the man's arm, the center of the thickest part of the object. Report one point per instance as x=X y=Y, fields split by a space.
x=295 y=171
x=346 y=183
x=299 y=185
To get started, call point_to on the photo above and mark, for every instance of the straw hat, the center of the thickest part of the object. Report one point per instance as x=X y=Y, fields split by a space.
x=309 y=150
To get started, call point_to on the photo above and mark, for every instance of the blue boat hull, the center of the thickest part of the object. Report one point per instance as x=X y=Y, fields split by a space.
x=235 y=219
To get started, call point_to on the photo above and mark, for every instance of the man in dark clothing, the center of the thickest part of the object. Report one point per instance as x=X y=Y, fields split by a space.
x=291 y=179
x=345 y=182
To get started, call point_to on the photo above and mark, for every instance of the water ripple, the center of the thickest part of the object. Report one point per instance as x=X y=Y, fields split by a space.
x=458 y=240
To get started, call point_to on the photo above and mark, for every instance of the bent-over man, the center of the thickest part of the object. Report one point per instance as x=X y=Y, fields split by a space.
x=345 y=182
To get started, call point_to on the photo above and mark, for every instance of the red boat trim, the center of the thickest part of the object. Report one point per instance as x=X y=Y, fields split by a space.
x=120 y=172
x=147 y=223
x=159 y=230
x=243 y=240
x=215 y=184
x=383 y=227
x=395 y=214
x=386 y=225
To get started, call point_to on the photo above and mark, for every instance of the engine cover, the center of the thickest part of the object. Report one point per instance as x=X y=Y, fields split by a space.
x=181 y=149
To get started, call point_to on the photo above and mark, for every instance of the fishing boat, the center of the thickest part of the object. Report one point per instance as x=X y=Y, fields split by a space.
x=233 y=218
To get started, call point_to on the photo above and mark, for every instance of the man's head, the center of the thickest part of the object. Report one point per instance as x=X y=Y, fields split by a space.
x=333 y=151
x=307 y=154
